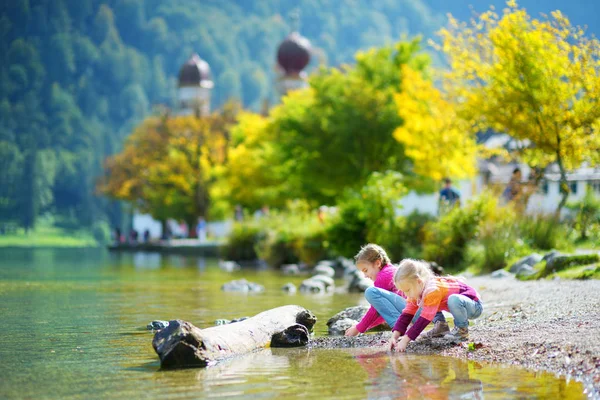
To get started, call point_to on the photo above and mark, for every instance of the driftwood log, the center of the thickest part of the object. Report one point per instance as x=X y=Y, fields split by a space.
x=183 y=345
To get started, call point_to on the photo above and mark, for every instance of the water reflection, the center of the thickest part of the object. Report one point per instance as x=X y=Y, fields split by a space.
x=364 y=373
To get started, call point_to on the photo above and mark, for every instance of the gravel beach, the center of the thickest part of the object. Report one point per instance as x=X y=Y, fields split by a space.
x=551 y=325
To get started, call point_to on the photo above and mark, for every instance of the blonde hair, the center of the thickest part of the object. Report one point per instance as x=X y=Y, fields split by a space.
x=411 y=270
x=371 y=253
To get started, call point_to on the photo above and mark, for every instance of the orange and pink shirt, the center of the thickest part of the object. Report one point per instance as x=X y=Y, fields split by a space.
x=434 y=298
x=384 y=280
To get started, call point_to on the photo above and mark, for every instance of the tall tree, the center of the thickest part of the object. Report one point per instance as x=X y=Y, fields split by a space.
x=168 y=165
x=536 y=80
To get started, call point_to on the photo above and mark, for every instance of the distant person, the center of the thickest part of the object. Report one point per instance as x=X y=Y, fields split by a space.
x=146 y=236
x=449 y=197
x=117 y=237
x=513 y=189
x=387 y=301
x=238 y=214
x=428 y=295
x=201 y=229
x=262 y=212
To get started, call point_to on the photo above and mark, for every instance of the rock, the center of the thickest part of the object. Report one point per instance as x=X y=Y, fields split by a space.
x=229 y=266
x=530 y=260
x=289 y=288
x=293 y=336
x=290 y=269
x=324 y=270
x=549 y=256
x=242 y=285
x=312 y=286
x=327 y=281
x=501 y=274
x=358 y=282
x=526 y=270
x=354 y=313
x=564 y=261
x=326 y=263
x=157 y=325
x=436 y=268
x=340 y=327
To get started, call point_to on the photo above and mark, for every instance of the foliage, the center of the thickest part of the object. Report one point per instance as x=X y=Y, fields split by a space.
x=587 y=212
x=542 y=231
x=438 y=142
x=447 y=238
x=76 y=77
x=335 y=134
x=499 y=237
x=241 y=242
x=368 y=215
x=563 y=262
x=251 y=176
x=169 y=164
x=534 y=79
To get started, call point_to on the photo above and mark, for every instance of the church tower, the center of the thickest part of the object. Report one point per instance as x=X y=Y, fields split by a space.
x=194 y=87
x=293 y=55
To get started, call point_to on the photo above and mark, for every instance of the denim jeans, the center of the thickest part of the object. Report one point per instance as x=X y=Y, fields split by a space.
x=390 y=305
x=463 y=308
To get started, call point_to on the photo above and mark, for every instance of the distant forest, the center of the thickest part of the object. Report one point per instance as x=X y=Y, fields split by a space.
x=77 y=75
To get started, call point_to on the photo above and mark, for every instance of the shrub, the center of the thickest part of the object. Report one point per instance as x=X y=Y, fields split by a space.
x=277 y=248
x=541 y=231
x=242 y=241
x=587 y=212
x=498 y=236
x=369 y=215
x=348 y=230
x=447 y=238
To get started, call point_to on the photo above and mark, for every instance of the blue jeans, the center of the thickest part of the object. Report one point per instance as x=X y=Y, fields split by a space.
x=463 y=308
x=390 y=305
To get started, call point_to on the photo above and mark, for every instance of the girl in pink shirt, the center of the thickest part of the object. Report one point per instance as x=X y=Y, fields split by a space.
x=387 y=302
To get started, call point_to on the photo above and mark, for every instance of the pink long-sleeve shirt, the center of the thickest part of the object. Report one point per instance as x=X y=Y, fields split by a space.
x=384 y=280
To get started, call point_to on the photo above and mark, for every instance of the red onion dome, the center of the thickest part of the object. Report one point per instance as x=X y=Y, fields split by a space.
x=293 y=54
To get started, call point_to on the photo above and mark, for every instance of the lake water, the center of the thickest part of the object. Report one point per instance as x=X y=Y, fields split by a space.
x=73 y=327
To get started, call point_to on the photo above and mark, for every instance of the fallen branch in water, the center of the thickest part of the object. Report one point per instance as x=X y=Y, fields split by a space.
x=182 y=344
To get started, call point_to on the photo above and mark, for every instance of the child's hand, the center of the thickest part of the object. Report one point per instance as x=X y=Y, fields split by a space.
x=401 y=346
x=352 y=331
x=394 y=340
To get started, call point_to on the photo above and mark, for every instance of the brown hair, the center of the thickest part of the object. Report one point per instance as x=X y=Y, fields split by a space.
x=371 y=253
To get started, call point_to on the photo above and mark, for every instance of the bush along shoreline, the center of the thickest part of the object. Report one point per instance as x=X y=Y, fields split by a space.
x=481 y=237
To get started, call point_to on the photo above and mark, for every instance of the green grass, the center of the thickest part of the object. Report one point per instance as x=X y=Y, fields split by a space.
x=582 y=272
x=48 y=236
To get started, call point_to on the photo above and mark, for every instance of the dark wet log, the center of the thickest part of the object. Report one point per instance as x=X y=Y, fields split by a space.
x=182 y=344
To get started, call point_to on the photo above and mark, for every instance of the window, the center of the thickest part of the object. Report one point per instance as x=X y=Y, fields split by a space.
x=595 y=185
x=545 y=187
x=573 y=187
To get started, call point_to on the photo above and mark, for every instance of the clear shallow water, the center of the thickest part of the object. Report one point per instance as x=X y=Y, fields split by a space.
x=74 y=327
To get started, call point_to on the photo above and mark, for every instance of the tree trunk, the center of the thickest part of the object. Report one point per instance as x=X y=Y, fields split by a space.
x=563 y=186
x=181 y=344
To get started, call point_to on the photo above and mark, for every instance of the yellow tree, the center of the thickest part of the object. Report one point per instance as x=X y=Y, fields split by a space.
x=169 y=165
x=252 y=176
x=437 y=141
x=537 y=80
